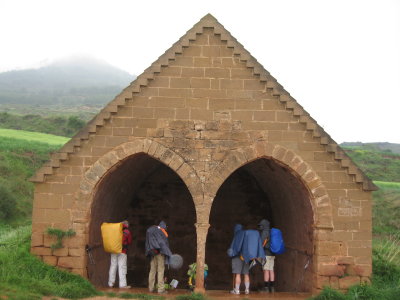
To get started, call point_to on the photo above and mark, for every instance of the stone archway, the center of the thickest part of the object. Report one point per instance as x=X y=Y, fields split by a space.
x=268 y=181
x=141 y=181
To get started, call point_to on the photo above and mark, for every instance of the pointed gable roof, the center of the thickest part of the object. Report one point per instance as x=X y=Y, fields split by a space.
x=208 y=21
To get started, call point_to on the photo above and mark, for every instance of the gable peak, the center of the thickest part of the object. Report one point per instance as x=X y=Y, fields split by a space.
x=209 y=17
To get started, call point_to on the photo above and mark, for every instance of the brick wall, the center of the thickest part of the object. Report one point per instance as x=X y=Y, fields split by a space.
x=205 y=112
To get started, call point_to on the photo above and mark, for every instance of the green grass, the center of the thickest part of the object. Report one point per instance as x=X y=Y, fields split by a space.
x=385 y=283
x=388 y=185
x=33 y=136
x=386 y=208
x=377 y=164
x=57 y=125
x=19 y=159
x=23 y=276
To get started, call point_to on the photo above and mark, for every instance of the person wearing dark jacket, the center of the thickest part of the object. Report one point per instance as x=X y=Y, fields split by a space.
x=119 y=260
x=157 y=248
x=268 y=267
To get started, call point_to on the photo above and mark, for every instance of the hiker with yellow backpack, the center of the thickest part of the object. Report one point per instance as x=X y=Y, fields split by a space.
x=116 y=239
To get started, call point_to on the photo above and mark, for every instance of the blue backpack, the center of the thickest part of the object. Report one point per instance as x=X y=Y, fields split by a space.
x=277 y=246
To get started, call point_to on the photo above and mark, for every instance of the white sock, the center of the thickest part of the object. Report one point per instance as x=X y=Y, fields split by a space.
x=247 y=284
x=237 y=286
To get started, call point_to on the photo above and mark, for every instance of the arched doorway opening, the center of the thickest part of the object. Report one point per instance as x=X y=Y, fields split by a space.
x=263 y=188
x=144 y=191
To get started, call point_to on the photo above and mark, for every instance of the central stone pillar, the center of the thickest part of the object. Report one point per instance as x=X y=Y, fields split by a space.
x=202 y=229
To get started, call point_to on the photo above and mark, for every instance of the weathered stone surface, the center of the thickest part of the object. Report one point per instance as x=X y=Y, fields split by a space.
x=72 y=262
x=348 y=281
x=50 y=260
x=208 y=112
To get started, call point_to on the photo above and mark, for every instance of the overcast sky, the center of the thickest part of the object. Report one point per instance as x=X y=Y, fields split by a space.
x=339 y=59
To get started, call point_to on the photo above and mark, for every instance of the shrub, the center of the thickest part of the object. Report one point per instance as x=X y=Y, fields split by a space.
x=8 y=203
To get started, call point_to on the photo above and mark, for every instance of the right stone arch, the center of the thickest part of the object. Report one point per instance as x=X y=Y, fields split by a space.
x=268 y=181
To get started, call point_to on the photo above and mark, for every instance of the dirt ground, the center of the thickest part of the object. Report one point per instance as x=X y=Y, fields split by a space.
x=218 y=295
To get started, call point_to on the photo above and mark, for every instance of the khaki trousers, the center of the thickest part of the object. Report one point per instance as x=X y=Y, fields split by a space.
x=157 y=265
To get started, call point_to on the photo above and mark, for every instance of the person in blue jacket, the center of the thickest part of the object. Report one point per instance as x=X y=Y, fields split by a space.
x=245 y=248
x=239 y=266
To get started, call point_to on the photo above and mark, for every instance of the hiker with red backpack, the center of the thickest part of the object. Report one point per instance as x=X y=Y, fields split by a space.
x=273 y=244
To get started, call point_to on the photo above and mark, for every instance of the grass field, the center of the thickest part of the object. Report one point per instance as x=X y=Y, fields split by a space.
x=19 y=159
x=33 y=136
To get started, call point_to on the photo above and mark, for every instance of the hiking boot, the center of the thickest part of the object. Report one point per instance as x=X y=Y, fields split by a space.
x=163 y=292
x=272 y=289
x=247 y=291
x=264 y=290
x=235 y=292
x=125 y=287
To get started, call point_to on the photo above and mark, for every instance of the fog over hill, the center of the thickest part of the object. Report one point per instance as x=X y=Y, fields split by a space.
x=69 y=82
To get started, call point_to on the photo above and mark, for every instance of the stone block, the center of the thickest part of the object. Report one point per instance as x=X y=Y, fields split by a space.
x=72 y=262
x=77 y=241
x=192 y=72
x=264 y=116
x=58 y=215
x=201 y=114
x=334 y=282
x=36 y=239
x=76 y=252
x=221 y=104
x=61 y=252
x=192 y=51
x=177 y=82
x=217 y=73
x=345 y=260
x=322 y=281
x=202 y=62
x=168 y=102
x=253 y=84
x=50 y=260
x=330 y=270
x=41 y=251
x=348 y=281
x=81 y=272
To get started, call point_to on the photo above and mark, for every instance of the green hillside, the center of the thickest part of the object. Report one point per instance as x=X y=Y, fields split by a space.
x=377 y=164
x=33 y=136
x=56 y=125
x=21 y=154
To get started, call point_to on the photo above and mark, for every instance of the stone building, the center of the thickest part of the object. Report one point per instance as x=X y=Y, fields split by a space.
x=203 y=139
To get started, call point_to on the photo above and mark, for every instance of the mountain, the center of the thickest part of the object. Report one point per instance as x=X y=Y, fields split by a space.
x=68 y=82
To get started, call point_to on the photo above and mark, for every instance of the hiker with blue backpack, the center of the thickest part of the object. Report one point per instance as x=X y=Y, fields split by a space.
x=272 y=244
x=246 y=248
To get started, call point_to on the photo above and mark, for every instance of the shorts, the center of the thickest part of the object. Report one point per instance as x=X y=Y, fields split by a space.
x=239 y=266
x=269 y=263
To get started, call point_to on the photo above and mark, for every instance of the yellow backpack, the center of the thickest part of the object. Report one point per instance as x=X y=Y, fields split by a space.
x=112 y=237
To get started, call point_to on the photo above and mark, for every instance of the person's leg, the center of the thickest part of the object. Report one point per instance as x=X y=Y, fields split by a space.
x=247 y=283
x=236 y=270
x=122 y=269
x=160 y=273
x=271 y=274
x=152 y=273
x=113 y=270
x=267 y=268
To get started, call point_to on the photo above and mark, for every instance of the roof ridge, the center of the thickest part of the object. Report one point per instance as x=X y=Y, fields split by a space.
x=258 y=69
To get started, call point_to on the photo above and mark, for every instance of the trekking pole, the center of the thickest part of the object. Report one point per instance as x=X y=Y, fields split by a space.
x=90 y=255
